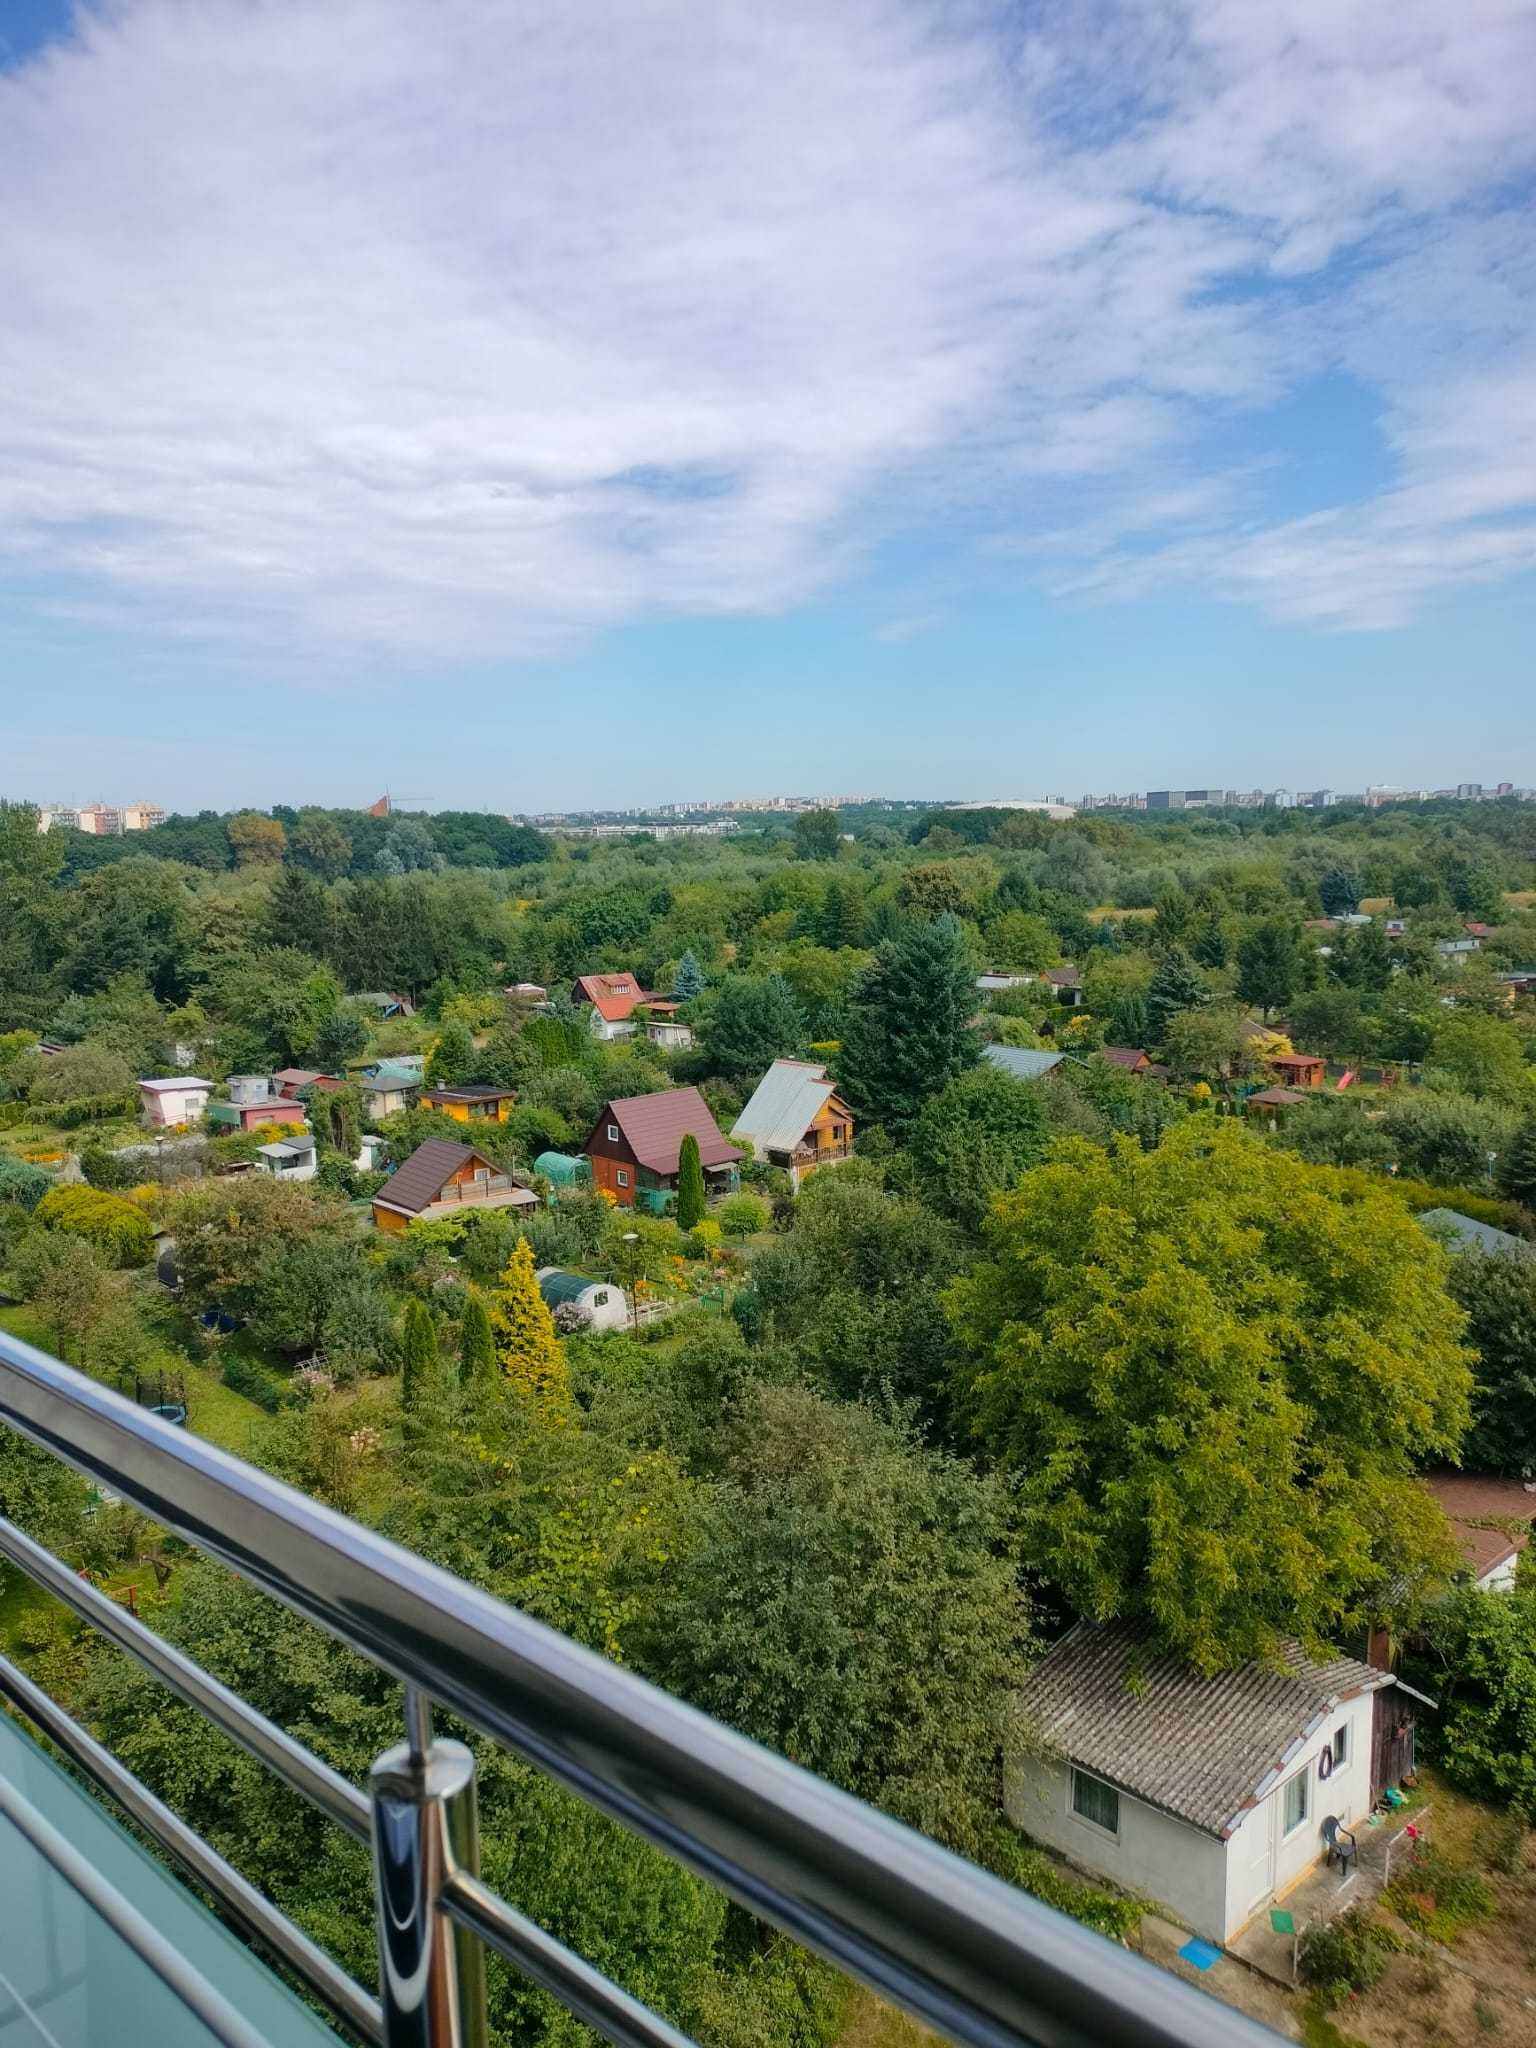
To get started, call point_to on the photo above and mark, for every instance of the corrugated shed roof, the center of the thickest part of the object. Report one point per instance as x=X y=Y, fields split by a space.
x=417 y=1184
x=784 y=1105
x=389 y=1076
x=1023 y=1062
x=1470 y=1235
x=654 y=1127
x=1199 y=1748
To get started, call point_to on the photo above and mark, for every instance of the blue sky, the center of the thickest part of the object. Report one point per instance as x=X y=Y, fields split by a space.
x=521 y=406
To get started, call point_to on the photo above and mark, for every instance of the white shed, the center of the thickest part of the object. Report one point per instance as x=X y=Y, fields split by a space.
x=288 y=1159
x=606 y=1304
x=179 y=1100
x=1205 y=1794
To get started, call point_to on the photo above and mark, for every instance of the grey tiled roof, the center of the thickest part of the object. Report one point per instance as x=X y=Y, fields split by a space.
x=1199 y=1748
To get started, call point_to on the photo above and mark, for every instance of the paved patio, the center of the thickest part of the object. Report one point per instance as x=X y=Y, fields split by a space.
x=1324 y=1890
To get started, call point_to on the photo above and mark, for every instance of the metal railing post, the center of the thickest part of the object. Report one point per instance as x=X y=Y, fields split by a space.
x=426 y=1828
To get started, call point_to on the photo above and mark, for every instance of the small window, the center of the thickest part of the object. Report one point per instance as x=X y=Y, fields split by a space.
x=1341 y=1745
x=1295 y=1798
x=1096 y=1802
x=622 y=1178
x=600 y=1299
x=613 y=1135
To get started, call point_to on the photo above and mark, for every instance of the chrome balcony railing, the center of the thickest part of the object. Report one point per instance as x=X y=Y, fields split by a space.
x=973 y=1958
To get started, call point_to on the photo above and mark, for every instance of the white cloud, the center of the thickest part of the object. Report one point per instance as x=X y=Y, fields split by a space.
x=380 y=327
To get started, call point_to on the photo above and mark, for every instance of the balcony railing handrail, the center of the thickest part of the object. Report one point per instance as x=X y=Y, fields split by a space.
x=964 y=1952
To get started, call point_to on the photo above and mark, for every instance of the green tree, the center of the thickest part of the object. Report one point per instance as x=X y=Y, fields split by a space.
x=842 y=917
x=688 y=982
x=1176 y=986
x=909 y=1028
x=1272 y=968
x=1499 y=1296
x=691 y=1204
x=1485 y=1669
x=258 y=841
x=22 y=1183
x=1339 y=892
x=526 y=1343
x=421 y=1390
x=1452 y=1139
x=452 y=1058
x=754 y=1021
x=319 y=844
x=1022 y=942
x=1207 y=1045
x=816 y=835
x=1329 y=1020
x=231 y=1235
x=65 y=1280
x=840 y=1558
x=1211 y=948
x=298 y=912
x=1212 y=1372
x=1517 y=1166
x=1480 y=1055
x=975 y=1138
x=477 y=1348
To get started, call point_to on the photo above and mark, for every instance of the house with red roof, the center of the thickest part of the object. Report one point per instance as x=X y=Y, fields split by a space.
x=611 y=1001
x=636 y=1142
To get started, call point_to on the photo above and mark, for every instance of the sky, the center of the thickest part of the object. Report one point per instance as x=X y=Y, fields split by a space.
x=524 y=404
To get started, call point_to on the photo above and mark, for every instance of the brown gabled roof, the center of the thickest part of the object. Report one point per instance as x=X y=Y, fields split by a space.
x=1063 y=977
x=1131 y=1057
x=417 y=1185
x=1276 y=1098
x=654 y=1127
x=1475 y=1506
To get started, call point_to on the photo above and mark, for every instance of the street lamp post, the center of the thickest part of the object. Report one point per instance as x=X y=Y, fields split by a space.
x=631 y=1267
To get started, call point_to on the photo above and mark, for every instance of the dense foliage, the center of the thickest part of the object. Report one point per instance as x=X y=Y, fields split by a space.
x=1114 y=1340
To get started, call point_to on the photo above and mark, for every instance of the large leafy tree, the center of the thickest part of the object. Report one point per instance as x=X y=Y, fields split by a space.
x=974 y=1138
x=839 y=1561
x=909 y=1028
x=754 y=1021
x=1212 y=1371
x=1499 y=1296
x=816 y=835
x=1484 y=1652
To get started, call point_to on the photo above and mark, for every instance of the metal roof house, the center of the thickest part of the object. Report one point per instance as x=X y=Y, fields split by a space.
x=796 y=1119
x=1208 y=1794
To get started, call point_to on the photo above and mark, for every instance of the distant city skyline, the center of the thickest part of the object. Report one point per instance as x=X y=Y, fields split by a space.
x=1038 y=398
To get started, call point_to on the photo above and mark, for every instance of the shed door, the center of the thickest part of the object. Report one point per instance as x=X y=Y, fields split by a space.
x=1259 y=1848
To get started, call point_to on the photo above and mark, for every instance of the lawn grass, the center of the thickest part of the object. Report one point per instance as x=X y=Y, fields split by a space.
x=214 y=1411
